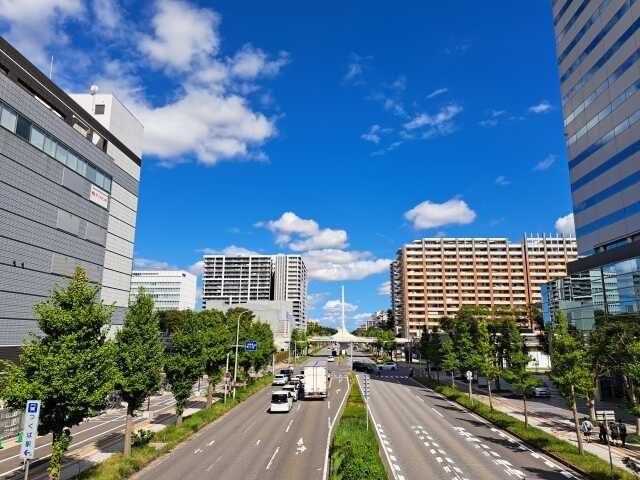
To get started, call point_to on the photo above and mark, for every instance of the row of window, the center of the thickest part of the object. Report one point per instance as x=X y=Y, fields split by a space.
x=609 y=219
x=604 y=86
x=604 y=113
x=606 y=56
x=619 y=157
x=562 y=11
x=46 y=143
x=605 y=139
x=585 y=28
x=596 y=40
x=608 y=192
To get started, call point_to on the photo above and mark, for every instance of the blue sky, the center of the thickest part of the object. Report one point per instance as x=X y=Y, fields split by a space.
x=338 y=130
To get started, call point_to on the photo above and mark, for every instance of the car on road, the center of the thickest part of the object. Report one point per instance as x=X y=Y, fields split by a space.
x=280 y=379
x=388 y=366
x=331 y=359
x=541 y=391
x=281 y=401
x=288 y=372
x=293 y=391
x=361 y=366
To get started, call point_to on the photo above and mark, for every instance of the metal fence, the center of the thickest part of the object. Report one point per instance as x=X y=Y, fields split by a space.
x=10 y=422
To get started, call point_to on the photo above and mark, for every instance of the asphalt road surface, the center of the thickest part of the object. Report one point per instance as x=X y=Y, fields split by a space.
x=424 y=435
x=251 y=443
x=90 y=431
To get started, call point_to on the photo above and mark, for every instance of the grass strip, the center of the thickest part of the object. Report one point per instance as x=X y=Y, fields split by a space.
x=118 y=467
x=587 y=463
x=354 y=449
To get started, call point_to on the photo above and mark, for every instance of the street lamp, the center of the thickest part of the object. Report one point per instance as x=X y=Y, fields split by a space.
x=235 y=369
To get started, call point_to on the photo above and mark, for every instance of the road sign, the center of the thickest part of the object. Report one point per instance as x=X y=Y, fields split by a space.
x=469 y=375
x=31 y=418
x=605 y=415
x=251 y=346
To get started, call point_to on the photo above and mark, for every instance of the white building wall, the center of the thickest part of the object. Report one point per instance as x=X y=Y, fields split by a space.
x=170 y=289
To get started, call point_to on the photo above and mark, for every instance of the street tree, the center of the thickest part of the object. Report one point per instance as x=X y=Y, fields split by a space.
x=262 y=334
x=185 y=364
x=448 y=357
x=139 y=356
x=70 y=368
x=465 y=351
x=486 y=355
x=517 y=373
x=216 y=344
x=570 y=367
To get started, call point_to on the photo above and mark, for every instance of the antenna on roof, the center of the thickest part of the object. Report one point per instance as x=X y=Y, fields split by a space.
x=51 y=68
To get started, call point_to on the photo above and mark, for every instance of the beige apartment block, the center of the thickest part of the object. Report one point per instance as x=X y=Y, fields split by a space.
x=434 y=277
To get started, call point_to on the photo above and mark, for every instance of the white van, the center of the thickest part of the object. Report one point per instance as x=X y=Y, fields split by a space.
x=281 y=401
x=293 y=391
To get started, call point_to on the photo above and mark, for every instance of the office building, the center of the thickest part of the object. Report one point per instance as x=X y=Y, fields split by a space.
x=170 y=289
x=69 y=176
x=437 y=276
x=290 y=284
x=257 y=278
x=599 y=68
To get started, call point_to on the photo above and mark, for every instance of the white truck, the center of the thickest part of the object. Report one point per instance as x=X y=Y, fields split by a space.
x=315 y=382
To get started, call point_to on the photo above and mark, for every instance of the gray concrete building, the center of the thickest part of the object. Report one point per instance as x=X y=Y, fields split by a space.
x=290 y=284
x=69 y=175
x=599 y=68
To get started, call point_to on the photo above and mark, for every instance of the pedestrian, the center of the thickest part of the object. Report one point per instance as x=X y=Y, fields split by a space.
x=587 y=429
x=615 y=433
x=604 y=432
x=622 y=430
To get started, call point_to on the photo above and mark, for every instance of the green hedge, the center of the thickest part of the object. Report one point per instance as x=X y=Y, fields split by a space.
x=117 y=467
x=354 y=450
x=586 y=463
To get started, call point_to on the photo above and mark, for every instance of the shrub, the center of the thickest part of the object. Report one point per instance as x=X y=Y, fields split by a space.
x=141 y=437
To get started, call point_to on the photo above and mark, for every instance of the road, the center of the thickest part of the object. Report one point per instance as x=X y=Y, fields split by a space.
x=90 y=431
x=424 y=435
x=250 y=443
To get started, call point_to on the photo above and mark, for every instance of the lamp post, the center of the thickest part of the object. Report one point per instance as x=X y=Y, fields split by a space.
x=235 y=369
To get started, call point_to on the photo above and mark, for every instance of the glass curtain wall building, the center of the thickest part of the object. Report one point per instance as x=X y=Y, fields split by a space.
x=598 y=47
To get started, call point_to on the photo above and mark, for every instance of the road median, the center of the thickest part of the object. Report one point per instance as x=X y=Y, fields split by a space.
x=119 y=467
x=354 y=449
x=587 y=463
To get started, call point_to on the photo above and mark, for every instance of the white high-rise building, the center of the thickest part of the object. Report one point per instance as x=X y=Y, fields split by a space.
x=290 y=284
x=245 y=279
x=170 y=289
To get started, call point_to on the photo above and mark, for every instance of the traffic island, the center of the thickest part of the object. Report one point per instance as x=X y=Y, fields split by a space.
x=119 y=467
x=355 y=451
x=588 y=464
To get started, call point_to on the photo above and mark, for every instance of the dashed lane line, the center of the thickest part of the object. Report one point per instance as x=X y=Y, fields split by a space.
x=272 y=458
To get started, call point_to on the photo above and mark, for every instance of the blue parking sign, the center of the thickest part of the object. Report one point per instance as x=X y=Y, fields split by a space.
x=251 y=346
x=32 y=407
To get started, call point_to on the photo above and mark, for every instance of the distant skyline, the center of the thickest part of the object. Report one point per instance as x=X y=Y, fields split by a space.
x=336 y=131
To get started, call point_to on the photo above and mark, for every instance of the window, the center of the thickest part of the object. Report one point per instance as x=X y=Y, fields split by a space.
x=23 y=128
x=61 y=154
x=99 y=109
x=8 y=119
x=72 y=161
x=37 y=138
x=49 y=146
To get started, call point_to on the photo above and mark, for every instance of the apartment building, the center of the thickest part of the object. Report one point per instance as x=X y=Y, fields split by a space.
x=437 y=276
x=69 y=177
x=256 y=278
x=170 y=289
x=290 y=284
x=598 y=62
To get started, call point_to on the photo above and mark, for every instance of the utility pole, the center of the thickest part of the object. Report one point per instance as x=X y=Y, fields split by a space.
x=226 y=380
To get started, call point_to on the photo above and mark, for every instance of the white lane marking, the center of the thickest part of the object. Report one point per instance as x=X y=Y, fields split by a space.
x=426 y=444
x=494 y=453
x=212 y=465
x=258 y=442
x=550 y=464
x=211 y=443
x=272 y=457
x=400 y=477
x=436 y=411
x=301 y=448
x=566 y=474
x=329 y=405
x=197 y=451
x=441 y=451
x=396 y=467
x=330 y=429
x=439 y=459
x=289 y=426
x=389 y=449
x=393 y=459
x=449 y=460
x=446 y=469
x=534 y=455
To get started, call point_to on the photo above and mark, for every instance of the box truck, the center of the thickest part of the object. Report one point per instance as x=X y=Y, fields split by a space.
x=315 y=382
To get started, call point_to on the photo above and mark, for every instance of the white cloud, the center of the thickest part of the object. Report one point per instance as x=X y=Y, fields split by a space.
x=566 y=225
x=502 y=181
x=197 y=268
x=38 y=24
x=183 y=35
x=336 y=305
x=309 y=234
x=374 y=133
x=437 y=92
x=108 y=14
x=545 y=164
x=360 y=317
x=494 y=118
x=151 y=264
x=355 y=69
x=231 y=250
x=385 y=288
x=543 y=107
x=251 y=62
x=440 y=119
x=330 y=265
x=431 y=215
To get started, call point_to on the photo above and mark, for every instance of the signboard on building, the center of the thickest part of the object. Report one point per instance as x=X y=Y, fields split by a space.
x=30 y=430
x=99 y=196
